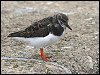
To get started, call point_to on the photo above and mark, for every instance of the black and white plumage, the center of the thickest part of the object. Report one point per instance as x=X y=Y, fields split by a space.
x=44 y=32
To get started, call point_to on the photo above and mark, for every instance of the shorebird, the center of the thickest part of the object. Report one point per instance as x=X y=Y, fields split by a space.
x=44 y=32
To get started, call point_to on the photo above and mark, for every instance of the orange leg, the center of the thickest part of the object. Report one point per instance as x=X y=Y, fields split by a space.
x=43 y=55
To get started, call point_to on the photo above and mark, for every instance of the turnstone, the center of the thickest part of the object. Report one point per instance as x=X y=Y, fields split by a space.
x=44 y=32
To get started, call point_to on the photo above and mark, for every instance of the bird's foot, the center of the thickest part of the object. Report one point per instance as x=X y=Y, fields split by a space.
x=43 y=55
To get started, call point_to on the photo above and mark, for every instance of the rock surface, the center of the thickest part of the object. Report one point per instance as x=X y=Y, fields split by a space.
x=76 y=53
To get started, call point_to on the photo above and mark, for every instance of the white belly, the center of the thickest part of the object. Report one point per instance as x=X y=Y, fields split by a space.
x=38 y=42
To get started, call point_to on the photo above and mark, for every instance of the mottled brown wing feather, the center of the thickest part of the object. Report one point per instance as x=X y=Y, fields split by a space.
x=37 y=33
x=27 y=34
x=39 y=24
x=37 y=29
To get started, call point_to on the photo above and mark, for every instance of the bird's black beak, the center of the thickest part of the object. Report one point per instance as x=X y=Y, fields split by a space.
x=69 y=27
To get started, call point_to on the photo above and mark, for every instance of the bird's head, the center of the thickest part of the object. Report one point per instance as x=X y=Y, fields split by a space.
x=62 y=20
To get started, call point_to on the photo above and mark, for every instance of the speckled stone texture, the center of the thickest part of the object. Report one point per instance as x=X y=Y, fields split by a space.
x=76 y=53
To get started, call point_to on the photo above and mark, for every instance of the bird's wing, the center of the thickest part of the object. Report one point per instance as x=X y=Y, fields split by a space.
x=37 y=29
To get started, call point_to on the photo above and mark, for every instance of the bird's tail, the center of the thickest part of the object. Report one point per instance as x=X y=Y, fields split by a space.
x=16 y=34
